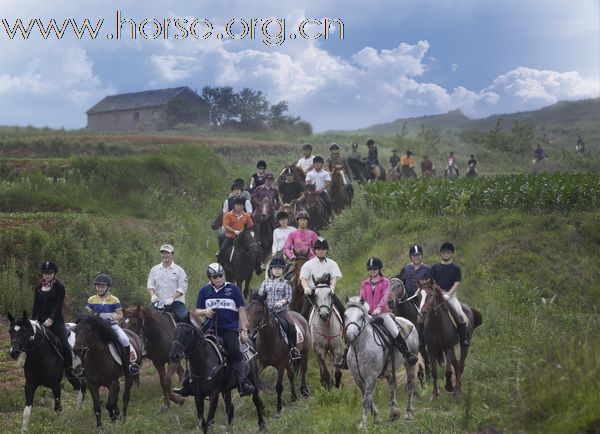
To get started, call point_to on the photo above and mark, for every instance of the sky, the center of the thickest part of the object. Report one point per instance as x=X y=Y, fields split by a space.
x=397 y=58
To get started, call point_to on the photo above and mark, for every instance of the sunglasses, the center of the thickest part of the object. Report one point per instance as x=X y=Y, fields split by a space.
x=216 y=276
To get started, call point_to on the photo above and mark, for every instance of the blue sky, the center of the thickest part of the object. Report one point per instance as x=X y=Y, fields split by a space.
x=398 y=58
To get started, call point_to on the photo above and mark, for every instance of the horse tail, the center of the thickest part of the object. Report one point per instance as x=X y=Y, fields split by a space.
x=136 y=380
x=477 y=317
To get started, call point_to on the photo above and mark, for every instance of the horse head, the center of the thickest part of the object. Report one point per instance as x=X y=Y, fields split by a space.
x=133 y=319
x=257 y=312
x=397 y=288
x=247 y=241
x=323 y=294
x=356 y=317
x=90 y=330
x=431 y=296
x=22 y=332
x=183 y=339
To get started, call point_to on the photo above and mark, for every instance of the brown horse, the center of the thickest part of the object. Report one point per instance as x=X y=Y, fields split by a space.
x=155 y=327
x=313 y=203
x=338 y=190
x=441 y=335
x=273 y=350
x=264 y=226
x=299 y=175
x=241 y=260
x=297 y=291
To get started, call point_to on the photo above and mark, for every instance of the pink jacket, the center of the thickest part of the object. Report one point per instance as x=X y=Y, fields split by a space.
x=300 y=241
x=379 y=297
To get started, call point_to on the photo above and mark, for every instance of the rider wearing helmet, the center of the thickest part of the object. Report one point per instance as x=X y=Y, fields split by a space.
x=234 y=222
x=167 y=284
x=266 y=191
x=280 y=234
x=372 y=157
x=452 y=162
x=48 y=299
x=258 y=178
x=394 y=159
x=447 y=276
x=321 y=179
x=302 y=240
x=279 y=296
x=314 y=269
x=336 y=161
x=237 y=190
x=375 y=290
x=306 y=162
x=108 y=307
x=289 y=189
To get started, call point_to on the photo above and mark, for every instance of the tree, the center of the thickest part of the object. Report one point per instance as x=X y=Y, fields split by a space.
x=222 y=104
x=181 y=111
x=252 y=108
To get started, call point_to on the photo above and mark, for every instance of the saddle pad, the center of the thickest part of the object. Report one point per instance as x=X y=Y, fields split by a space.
x=299 y=334
x=117 y=358
x=454 y=320
x=405 y=326
x=71 y=339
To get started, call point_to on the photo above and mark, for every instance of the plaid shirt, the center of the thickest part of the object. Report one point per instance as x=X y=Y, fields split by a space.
x=276 y=290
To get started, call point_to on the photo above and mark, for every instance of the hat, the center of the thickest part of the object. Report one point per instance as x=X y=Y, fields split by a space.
x=167 y=248
x=236 y=185
x=307 y=146
x=334 y=146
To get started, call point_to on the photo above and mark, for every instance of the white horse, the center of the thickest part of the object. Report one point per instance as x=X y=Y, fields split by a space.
x=326 y=329
x=369 y=359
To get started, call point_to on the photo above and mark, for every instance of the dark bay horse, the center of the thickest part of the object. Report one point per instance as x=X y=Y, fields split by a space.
x=93 y=336
x=273 y=350
x=44 y=366
x=156 y=328
x=338 y=191
x=441 y=335
x=264 y=220
x=297 y=291
x=210 y=374
x=299 y=175
x=239 y=264
x=313 y=203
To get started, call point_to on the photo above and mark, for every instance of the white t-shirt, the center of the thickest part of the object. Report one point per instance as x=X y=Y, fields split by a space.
x=318 y=179
x=304 y=163
x=315 y=268
x=279 y=238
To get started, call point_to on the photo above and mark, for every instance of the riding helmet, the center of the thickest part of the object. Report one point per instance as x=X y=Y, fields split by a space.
x=302 y=215
x=49 y=266
x=370 y=142
x=103 y=278
x=334 y=146
x=307 y=146
x=261 y=165
x=321 y=243
x=374 y=263
x=282 y=215
x=415 y=250
x=288 y=171
x=447 y=247
x=269 y=176
x=277 y=262
x=318 y=159
x=214 y=268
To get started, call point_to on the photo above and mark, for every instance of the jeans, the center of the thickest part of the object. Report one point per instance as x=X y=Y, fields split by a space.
x=178 y=309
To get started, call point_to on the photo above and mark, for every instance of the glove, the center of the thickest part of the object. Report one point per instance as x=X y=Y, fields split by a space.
x=377 y=311
x=244 y=336
x=332 y=289
x=48 y=322
x=236 y=232
x=168 y=302
x=154 y=299
x=307 y=291
x=210 y=313
x=446 y=296
x=279 y=304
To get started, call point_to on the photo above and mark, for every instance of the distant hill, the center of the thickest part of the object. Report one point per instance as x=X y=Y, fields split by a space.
x=565 y=118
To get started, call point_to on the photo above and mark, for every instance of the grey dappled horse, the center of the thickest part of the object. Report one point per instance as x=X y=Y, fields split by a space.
x=368 y=359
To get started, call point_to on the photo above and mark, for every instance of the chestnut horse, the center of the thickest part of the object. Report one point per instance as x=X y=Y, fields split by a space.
x=338 y=191
x=297 y=291
x=264 y=226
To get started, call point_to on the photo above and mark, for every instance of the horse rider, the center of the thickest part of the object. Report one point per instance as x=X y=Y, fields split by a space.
x=321 y=179
x=245 y=193
x=447 y=276
x=237 y=190
x=472 y=164
x=372 y=158
x=315 y=268
x=354 y=153
x=408 y=164
x=452 y=162
x=109 y=308
x=289 y=189
x=336 y=161
x=427 y=166
x=234 y=222
x=375 y=290
x=167 y=284
x=279 y=296
x=410 y=275
x=267 y=191
x=580 y=147
x=306 y=162
x=258 y=178
x=394 y=159
x=280 y=234
x=300 y=240
x=539 y=154
x=48 y=300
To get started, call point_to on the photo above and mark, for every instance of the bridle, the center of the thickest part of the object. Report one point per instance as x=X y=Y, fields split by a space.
x=186 y=352
x=31 y=340
x=139 y=321
x=184 y=347
x=360 y=326
x=323 y=306
x=263 y=322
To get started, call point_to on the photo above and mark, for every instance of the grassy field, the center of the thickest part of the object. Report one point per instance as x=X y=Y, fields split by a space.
x=532 y=366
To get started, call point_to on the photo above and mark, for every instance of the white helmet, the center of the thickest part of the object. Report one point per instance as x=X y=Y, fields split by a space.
x=214 y=268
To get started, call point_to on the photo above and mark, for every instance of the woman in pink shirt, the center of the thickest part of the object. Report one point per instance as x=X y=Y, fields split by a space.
x=301 y=240
x=376 y=292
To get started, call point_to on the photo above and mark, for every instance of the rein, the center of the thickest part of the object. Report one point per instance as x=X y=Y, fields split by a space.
x=187 y=354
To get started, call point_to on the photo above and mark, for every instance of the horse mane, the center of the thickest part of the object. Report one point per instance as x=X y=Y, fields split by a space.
x=359 y=302
x=104 y=329
x=324 y=279
x=440 y=293
x=255 y=296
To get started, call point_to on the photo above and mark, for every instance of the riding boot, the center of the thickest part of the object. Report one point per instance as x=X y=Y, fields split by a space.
x=408 y=355
x=294 y=352
x=344 y=363
x=129 y=368
x=72 y=377
x=186 y=385
x=244 y=387
x=462 y=334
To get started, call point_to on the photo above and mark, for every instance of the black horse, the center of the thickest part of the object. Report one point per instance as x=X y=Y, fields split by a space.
x=44 y=365
x=211 y=374
x=239 y=264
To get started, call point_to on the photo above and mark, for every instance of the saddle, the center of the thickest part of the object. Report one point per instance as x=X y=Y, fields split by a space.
x=285 y=330
x=118 y=353
x=53 y=341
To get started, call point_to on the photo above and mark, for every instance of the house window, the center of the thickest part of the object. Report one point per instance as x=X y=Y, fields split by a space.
x=136 y=116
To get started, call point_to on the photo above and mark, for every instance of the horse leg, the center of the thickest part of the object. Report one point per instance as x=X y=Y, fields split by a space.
x=303 y=368
x=460 y=368
x=450 y=361
x=126 y=395
x=259 y=408
x=173 y=367
x=434 y=374
x=29 y=393
x=112 y=404
x=160 y=369
x=367 y=403
x=427 y=361
x=325 y=378
x=199 y=401
x=290 y=374
x=279 y=389
x=229 y=409
x=394 y=410
x=97 y=407
x=410 y=390
x=56 y=394
x=212 y=409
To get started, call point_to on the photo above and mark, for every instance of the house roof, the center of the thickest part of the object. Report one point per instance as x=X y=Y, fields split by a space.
x=137 y=100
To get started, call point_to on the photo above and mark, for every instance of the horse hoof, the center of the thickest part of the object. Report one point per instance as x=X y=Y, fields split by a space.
x=362 y=426
x=449 y=388
x=433 y=397
x=395 y=413
x=409 y=416
x=277 y=414
x=162 y=409
x=262 y=427
x=305 y=393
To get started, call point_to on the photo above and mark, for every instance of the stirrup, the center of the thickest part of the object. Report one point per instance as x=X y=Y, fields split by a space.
x=184 y=390
x=245 y=388
x=295 y=354
x=134 y=368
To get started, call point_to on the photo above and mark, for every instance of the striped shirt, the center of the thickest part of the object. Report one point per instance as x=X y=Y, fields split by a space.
x=105 y=308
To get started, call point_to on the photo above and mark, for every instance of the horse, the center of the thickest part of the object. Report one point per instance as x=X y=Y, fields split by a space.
x=441 y=335
x=313 y=203
x=299 y=175
x=155 y=328
x=241 y=260
x=326 y=329
x=394 y=173
x=93 y=336
x=408 y=307
x=338 y=191
x=358 y=169
x=369 y=358
x=471 y=172
x=407 y=173
x=451 y=172
x=264 y=226
x=297 y=291
x=272 y=348
x=210 y=373
x=44 y=365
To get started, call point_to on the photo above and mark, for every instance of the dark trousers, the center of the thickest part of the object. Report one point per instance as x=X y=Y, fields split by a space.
x=310 y=301
x=59 y=329
x=178 y=309
x=231 y=343
x=327 y=201
x=227 y=242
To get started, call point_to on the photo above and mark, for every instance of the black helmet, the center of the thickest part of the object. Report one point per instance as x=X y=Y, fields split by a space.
x=239 y=199
x=370 y=142
x=307 y=146
x=409 y=152
x=321 y=243
x=277 y=262
x=103 y=278
x=261 y=165
x=282 y=215
x=318 y=159
x=214 y=268
x=237 y=185
x=288 y=171
x=49 y=266
x=334 y=146
x=374 y=263
x=447 y=247
x=415 y=250
x=302 y=215
x=239 y=181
